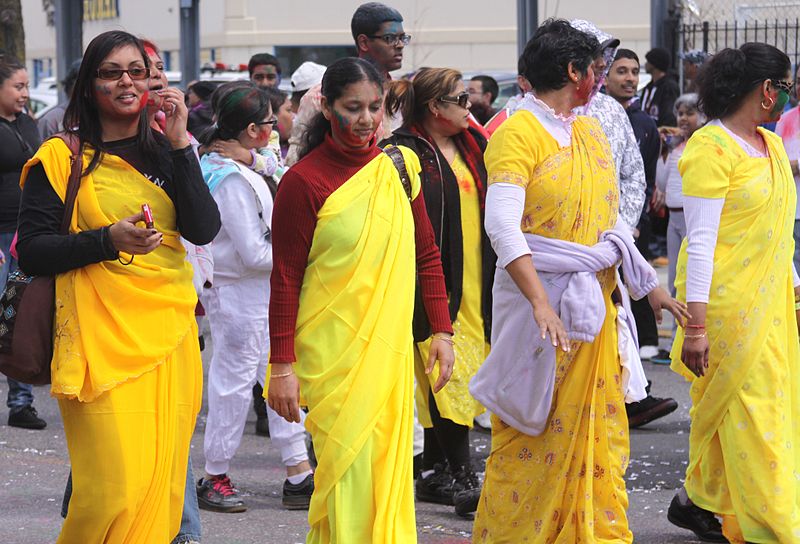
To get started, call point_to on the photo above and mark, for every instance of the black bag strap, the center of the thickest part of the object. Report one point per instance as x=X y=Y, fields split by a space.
x=76 y=161
x=400 y=163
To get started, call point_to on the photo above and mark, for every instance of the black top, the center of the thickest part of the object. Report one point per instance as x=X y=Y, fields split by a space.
x=43 y=251
x=658 y=100
x=19 y=140
x=646 y=132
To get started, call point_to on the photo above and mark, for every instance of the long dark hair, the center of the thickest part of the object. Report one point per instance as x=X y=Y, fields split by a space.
x=236 y=104
x=725 y=80
x=339 y=75
x=82 y=117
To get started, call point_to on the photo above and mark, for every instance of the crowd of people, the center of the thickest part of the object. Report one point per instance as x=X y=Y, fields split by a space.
x=383 y=262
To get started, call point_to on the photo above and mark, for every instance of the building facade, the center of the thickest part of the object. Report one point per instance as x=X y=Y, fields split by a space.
x=470 y=35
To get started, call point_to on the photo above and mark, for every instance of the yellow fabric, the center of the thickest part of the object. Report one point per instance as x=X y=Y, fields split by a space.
x=114 y=322
x=744 y=446
x=354 y=358
x=566 y=485
x=554 y=205
x=129 y=449
x=454 y=401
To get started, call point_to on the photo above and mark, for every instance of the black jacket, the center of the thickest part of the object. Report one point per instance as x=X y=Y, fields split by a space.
x=442 y=201
x=658 y=100
x=19 y=140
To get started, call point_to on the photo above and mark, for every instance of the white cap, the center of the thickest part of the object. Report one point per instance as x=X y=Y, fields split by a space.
x=307 y=75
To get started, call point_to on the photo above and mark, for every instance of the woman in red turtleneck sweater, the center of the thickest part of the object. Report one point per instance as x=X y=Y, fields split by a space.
x=344 y=246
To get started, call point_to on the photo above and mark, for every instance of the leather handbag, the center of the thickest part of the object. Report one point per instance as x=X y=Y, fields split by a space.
x=400 y=164
x=27 y=305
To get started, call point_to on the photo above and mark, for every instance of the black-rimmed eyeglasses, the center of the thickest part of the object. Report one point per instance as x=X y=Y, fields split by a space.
x=271 y=122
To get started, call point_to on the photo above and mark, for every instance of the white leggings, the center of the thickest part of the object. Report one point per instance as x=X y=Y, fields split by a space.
x=238 y=318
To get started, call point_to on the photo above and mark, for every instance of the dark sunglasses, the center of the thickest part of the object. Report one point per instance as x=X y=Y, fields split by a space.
x=113 y=74
x=461 y=99
x=392 y=39
x=782 y=85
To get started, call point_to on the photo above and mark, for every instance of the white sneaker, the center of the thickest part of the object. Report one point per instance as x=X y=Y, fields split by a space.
x=648 y=352
x=484 y=420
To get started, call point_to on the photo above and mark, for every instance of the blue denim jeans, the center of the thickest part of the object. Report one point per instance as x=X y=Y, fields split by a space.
x=20 y=395
x=190 y=518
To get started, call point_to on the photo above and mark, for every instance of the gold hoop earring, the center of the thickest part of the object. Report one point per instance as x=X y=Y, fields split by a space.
x=771 y=104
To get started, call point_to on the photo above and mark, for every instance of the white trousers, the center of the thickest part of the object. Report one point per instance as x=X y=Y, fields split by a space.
x=238 y=316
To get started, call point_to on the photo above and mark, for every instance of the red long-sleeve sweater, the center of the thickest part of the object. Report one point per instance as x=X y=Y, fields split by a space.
x=302 y=192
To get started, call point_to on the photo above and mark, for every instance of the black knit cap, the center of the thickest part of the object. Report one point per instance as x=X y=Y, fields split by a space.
x=204 y=89
x=659 y=58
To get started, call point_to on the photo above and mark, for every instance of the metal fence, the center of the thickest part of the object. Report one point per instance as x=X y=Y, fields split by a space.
x=713 y=36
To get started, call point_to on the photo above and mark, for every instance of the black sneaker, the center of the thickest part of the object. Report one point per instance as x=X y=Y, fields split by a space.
x=661 y=358
x=466 y=491
x=218 y=495
x=298 y=496
x=701 y=522
x=27 y=418
x=437 y=487
x=649 y=409
x=260 y=408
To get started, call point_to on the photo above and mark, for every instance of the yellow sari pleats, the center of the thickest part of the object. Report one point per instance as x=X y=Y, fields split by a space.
x=744 y=456
x=566 y=485
x=355 y=361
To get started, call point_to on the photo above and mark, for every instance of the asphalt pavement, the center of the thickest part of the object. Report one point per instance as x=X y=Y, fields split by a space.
x=35 y=465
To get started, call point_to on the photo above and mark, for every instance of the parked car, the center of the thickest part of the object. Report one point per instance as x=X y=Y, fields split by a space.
x=40 y=102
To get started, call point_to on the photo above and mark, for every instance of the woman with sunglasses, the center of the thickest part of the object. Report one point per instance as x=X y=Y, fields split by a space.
x=238 y=303
x=740 y=347
x=126 y=365
x=435 y=112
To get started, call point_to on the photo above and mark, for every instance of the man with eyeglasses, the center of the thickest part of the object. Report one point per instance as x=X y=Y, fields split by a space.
x=379 y=38
x=265 y=70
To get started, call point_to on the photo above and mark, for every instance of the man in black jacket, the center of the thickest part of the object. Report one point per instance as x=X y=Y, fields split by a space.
x=658 y=97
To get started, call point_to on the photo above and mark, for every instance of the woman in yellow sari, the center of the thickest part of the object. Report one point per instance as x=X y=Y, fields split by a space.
x=551 y=175
x=740 y=348
x=126 y=367
x=345 y=234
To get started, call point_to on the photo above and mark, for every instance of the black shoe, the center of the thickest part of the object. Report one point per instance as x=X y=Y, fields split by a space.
x=27 y=418
x=648 y=409
x=298 y=497
x=437 y=487
x=661 y=358
x=466 y=491
x=417 y=465
x=218 y=495
x=692 y=517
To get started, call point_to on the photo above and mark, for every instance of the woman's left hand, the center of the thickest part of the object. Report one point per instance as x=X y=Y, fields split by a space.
x=441 y=350
x=660 y=300
x=177 y=115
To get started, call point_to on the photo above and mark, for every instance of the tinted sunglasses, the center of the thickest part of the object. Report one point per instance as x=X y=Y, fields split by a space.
x=113 y=74
x=461 y=99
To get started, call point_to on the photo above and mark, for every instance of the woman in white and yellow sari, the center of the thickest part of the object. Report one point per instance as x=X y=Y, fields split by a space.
x=740 y=348
x=345 y=234
x=551 y=175
x=126 y=367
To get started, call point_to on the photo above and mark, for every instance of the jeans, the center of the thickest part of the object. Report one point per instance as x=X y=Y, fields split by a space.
x=190 y=518
x=20 y=395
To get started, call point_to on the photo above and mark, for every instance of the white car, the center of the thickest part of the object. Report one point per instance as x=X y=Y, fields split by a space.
x=40 y=102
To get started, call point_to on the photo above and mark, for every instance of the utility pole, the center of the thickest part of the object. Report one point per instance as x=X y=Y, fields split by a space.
x=190 y=41
x=527 y=21
x=659 y=14
x=69 y=38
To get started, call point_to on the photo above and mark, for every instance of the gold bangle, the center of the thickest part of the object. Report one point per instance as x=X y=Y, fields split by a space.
x=280 y=375
x=447 y=339
x=695 y=336
x=797 y=305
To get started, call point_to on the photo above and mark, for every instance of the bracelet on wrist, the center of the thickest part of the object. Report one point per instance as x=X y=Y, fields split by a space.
x=284 y=375
x=442 y=336
x=695 y=326
x=695 y=336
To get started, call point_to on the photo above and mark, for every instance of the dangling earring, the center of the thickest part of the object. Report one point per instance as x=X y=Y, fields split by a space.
x=771 y=103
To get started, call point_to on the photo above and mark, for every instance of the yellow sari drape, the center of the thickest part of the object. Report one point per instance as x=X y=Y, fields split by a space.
x=354 y=358
x=126 y=365
x=455 y=402
x=566 y=485
x=744 y=455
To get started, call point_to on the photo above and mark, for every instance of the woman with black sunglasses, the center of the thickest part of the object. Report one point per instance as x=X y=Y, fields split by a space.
x=435 y=111
x=126 y=366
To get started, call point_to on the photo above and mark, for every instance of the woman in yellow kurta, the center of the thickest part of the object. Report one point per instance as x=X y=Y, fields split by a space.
x=740 y=348
x=126 y=366
x=552 y=174
x=344 y=245
x=435 y=113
